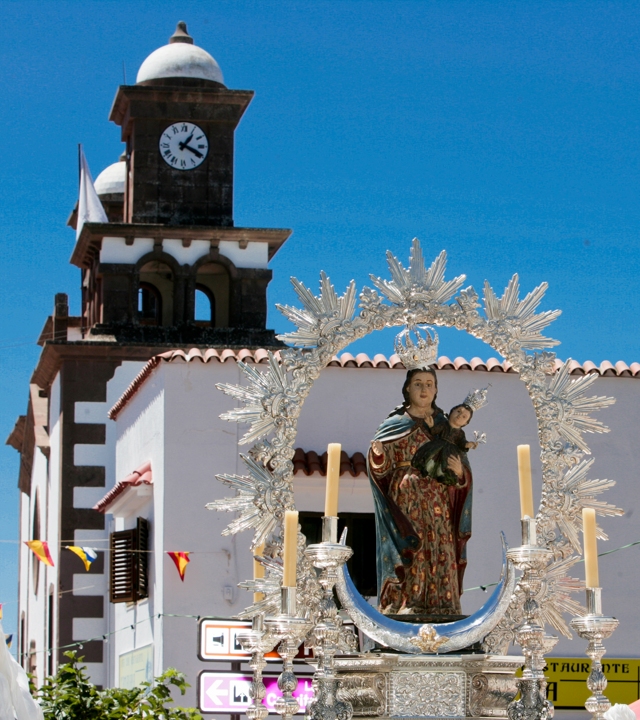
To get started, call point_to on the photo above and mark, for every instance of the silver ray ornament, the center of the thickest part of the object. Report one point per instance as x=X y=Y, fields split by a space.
x=271 y=401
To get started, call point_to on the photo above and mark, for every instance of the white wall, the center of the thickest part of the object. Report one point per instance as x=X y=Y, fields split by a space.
x=45 y=484
x=138 y=438
x=198 y=446
x=36 y=595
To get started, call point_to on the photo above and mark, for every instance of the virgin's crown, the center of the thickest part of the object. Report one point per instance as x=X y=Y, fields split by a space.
x=421 y=353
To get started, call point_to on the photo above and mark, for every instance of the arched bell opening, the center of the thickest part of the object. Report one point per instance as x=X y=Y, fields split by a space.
x=155 y=294
x=205 y=308
x=212 y=296
x=149 y=305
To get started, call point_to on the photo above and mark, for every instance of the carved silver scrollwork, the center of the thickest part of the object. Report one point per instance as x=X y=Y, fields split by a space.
x=421 y=694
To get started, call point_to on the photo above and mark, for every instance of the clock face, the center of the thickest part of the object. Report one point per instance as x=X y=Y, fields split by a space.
x=183 y=146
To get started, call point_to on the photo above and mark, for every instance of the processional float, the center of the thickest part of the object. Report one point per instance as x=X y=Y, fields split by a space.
x=417 y=669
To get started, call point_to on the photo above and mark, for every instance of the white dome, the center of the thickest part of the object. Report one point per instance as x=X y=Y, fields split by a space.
x=111 y=179
x=180 y=58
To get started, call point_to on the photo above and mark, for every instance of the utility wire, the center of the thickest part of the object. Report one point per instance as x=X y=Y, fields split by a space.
x=218 y=552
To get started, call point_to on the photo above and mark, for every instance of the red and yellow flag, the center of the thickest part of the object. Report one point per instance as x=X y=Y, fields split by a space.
x=40 y=549
x=181 y=559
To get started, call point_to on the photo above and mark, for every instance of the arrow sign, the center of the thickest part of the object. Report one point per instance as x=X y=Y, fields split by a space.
x=213 y=691
x=226 y=692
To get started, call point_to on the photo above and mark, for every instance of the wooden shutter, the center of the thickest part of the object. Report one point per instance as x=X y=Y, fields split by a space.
x=142 y=559
x=128 y=564
x=121 y=566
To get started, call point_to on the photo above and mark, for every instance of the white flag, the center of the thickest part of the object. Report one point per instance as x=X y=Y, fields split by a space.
x=15 y=698
x=89 y=206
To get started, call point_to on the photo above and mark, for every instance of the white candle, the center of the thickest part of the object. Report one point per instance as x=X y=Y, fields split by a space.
x=524 y=475
x=258 y=572
x=590 y=548
x=334 y=451
x=290 y=550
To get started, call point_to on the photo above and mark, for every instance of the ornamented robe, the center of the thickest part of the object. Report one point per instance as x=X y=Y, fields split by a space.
x=422 y=526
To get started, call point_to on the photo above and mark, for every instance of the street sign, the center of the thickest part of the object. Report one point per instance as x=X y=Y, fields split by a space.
x=224 y=692
x=567 y=687
x=219 y=641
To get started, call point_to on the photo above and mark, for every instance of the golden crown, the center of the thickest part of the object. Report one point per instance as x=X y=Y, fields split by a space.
x=477 y=398
x=421 y=353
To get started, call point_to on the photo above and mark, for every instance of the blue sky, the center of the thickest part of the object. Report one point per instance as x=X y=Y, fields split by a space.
x=505 y=132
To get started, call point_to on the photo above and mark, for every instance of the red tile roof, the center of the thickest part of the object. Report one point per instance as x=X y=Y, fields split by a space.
x=138 y=477
x=309 y=462
x=362 y=360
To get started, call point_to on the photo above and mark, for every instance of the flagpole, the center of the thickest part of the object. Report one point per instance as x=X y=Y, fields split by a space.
x=82 y=290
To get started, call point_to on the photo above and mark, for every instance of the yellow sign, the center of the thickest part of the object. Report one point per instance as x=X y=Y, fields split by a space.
x=567 y=688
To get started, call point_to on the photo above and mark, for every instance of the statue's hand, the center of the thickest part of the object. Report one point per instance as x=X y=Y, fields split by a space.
x=455 y=465
x=377 y=448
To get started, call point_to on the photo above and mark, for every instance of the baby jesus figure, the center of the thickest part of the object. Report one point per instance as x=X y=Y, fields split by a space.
x=432 y=458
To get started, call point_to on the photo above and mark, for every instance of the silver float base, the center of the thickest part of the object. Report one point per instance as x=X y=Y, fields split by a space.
x=428 y=686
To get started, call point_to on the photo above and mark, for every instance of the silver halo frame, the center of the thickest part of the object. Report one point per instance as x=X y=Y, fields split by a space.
x=327 y=324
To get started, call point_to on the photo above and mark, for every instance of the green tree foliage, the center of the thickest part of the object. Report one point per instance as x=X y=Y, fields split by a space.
x=70 y=695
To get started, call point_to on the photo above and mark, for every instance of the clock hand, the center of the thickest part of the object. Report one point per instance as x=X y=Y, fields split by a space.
x=182 y=143
x=197 y=153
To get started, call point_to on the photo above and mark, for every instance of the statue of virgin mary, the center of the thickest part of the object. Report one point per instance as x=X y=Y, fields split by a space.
x=422 y=524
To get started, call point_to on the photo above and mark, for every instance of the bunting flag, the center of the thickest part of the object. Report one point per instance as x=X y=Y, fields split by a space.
x=181 y=559
x=9 y=639
x=86 y=554
x=89 y=206
x=40 y=549
x=0 y=611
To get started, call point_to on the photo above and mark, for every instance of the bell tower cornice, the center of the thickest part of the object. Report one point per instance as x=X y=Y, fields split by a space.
x=193 y=100
x=89 y=245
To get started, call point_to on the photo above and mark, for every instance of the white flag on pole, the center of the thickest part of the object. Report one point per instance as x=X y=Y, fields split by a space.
x=89 y=206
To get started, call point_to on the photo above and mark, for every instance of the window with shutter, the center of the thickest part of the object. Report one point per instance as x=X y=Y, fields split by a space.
x=121 y=571
x=142 y=557
x=128 y=563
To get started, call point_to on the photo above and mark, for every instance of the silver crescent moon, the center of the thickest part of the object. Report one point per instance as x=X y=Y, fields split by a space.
x=406 y=637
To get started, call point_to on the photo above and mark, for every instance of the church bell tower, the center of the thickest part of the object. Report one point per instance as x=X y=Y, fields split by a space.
x=170 y=247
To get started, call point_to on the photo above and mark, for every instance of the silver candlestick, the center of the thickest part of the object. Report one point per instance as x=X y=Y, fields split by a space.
x=291 y=631
x=257 y=641
x=532 y=560
x=595 y=627
x=328 y=556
